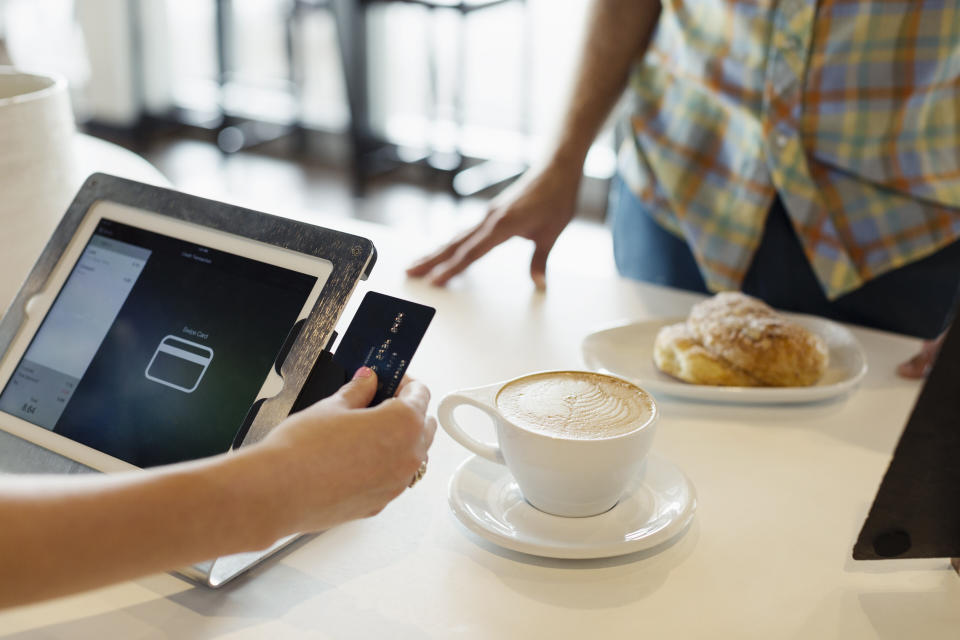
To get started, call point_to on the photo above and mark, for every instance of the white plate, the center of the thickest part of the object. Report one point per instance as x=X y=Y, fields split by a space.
x=657 y=506
x=626 y=350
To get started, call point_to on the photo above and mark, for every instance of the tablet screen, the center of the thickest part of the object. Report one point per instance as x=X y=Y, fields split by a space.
x=155 y=348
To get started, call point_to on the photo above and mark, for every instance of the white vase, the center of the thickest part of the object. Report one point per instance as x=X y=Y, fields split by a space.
x=38 y=169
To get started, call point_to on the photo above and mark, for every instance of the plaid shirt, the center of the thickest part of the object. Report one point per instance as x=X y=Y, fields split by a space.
x=849 y=109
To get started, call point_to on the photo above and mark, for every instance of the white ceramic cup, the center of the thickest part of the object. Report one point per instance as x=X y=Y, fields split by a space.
x=38 y=174
x=564 y=476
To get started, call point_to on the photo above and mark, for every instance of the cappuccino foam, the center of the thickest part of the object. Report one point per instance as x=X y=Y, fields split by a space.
x=577 y=405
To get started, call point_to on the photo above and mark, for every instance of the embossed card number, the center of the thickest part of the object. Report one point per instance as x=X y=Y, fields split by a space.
x=384 y=335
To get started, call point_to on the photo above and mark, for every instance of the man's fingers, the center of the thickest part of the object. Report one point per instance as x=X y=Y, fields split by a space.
x=468 y=253
x=424 y=265
x=359 y=392
x=915 y=367
x=919 y=365
x=538 y=265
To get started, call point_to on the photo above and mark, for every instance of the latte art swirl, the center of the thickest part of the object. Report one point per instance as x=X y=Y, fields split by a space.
x=576 y=405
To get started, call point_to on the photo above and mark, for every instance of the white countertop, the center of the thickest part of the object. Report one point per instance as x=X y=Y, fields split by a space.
x=782 y=493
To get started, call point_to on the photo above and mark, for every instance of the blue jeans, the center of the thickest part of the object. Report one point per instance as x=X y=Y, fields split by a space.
x=916 y=299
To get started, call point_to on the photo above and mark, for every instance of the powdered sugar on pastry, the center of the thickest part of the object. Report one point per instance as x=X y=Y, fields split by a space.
x=677 y=353
x=733 y=339
x=753 y=337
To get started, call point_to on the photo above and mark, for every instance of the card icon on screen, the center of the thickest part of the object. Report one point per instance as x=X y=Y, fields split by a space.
x=179 y=363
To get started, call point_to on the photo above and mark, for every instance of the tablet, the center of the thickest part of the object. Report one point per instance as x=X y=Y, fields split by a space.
x=154 y=322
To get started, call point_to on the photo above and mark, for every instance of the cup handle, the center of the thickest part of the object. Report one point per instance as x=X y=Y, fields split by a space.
x=480 y=398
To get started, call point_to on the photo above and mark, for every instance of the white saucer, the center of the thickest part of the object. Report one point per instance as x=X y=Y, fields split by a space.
x=658 y=505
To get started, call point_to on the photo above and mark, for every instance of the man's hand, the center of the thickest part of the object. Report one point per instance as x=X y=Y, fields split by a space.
x=919 y=365
x=536 y=207
x=541 y=203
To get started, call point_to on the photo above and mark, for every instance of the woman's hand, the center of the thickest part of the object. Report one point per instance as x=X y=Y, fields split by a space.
x=341 y=461
x=537 y=207
x=332 y=462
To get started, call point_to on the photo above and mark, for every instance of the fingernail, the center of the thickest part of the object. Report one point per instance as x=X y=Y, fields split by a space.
x=363 y=372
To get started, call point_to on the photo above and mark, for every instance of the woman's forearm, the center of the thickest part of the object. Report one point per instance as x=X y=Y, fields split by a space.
x=63 y=536
x=332 y=462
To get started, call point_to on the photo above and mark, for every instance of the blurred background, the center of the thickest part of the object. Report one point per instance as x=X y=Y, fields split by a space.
x=404 y=112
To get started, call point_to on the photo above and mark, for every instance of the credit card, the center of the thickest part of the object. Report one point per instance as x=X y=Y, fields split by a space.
x=383 y=335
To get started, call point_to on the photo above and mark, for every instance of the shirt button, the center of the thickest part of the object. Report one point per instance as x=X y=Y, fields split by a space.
x=781 y=140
